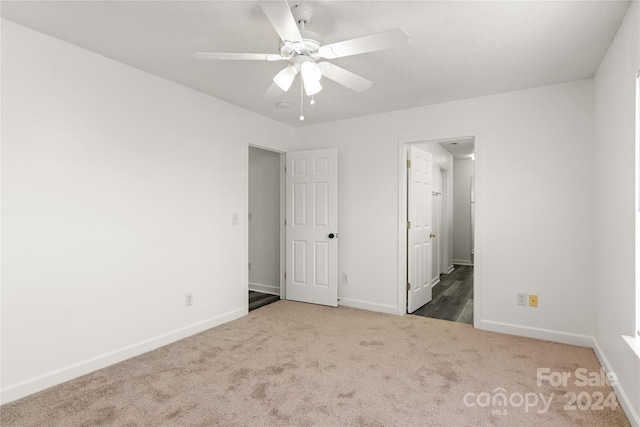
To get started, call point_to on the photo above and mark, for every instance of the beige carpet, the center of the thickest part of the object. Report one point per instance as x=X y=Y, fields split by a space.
x=299 y=364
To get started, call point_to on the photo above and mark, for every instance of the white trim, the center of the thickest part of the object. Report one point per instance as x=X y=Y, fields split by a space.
x=366 y=305
x=463 y=262
x=634 y=343
x=283 y=231
x=445 y=237
x=435 y=281
x=537 y=333
x=450 y=269
x=623 y=399
x=245 y=215
x=58 y=376
x=265 y=289
x=637 y=214
x=283 y=241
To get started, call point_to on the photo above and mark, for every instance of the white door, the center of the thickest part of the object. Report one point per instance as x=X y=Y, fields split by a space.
x=420 y=229
x=312 y=226
x=441 y=212
x=437 y=241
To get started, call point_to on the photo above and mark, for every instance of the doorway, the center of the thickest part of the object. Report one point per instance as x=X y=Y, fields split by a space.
x=452 y=283
x=264 y=227
x=441 y=244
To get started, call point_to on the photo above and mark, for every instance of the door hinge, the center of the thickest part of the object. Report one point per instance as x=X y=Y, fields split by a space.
x=285 y=275
x=408 y=286
x=285 y=169
x=408 y=164
x=285 y=221
x=408 y=225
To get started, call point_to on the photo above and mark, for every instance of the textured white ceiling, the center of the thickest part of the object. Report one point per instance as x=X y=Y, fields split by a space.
x=456 y=49
x=459 y=148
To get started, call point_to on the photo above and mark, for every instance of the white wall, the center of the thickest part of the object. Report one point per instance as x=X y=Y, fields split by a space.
x=118 y=190
x=534 y=209
x=441 y=158
x=264 y=225
x=463 y=170
x=615 y=277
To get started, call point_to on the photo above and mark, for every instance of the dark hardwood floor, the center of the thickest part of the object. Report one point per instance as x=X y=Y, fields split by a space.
x=452 y=297
x=258 y=299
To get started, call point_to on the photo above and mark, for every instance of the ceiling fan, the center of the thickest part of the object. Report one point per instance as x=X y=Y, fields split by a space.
x=303 y=49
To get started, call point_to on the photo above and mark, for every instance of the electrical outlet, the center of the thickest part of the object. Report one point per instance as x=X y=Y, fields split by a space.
x=533 y=300
x=522 y=299
x=188 y=300
x=345 y=278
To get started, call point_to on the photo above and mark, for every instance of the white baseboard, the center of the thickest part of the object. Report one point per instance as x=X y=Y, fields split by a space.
x=366 y=305
x=450 y=269
x=538 y=333
x=627 y=407
x=265 y=289
x=435 y=281
x=463 y=262
x=50 y=379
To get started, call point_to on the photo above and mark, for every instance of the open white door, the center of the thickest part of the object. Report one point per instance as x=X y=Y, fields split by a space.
x=312 y=226
x=419 y=229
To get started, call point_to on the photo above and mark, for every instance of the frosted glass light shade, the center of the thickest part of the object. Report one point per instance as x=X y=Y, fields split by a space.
x=284 y=78
x=310 y=71
x=311 y=87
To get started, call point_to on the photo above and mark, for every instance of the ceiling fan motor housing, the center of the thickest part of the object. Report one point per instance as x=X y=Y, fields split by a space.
x=302 y=13
x=311 y=42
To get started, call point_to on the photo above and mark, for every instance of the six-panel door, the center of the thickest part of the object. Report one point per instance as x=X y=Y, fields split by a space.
x=312 y=226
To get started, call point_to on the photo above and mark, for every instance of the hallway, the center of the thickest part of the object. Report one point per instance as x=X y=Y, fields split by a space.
x=452 y=297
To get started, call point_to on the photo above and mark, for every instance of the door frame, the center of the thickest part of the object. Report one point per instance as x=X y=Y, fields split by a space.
x=442 y=243
x=403 y=144
x=283 y=199
x=444 y=176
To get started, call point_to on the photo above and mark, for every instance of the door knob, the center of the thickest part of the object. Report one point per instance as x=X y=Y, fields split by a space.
x=432 y=235
x=331 y=235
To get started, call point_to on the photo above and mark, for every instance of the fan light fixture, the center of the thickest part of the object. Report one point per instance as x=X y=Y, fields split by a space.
x=303 y=48
x=311 y=75
x=284 y=78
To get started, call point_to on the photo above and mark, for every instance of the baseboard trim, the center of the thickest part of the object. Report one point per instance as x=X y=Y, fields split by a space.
x=435 y=281
x=265 y=289
x=450 y=269
x=366 y=305
x=623 y=399
x=59 y=376
x=538 y=333
x=463 y=262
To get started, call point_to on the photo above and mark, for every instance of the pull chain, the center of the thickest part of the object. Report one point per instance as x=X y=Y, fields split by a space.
x=301 y=100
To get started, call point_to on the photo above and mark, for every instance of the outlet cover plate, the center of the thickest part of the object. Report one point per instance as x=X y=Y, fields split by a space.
x=522 y=299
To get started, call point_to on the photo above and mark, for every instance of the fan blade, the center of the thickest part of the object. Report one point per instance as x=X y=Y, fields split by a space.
x=344 y=77
x=370 y=43
x=280 y=16
x=238 y=56
x=273 y=92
